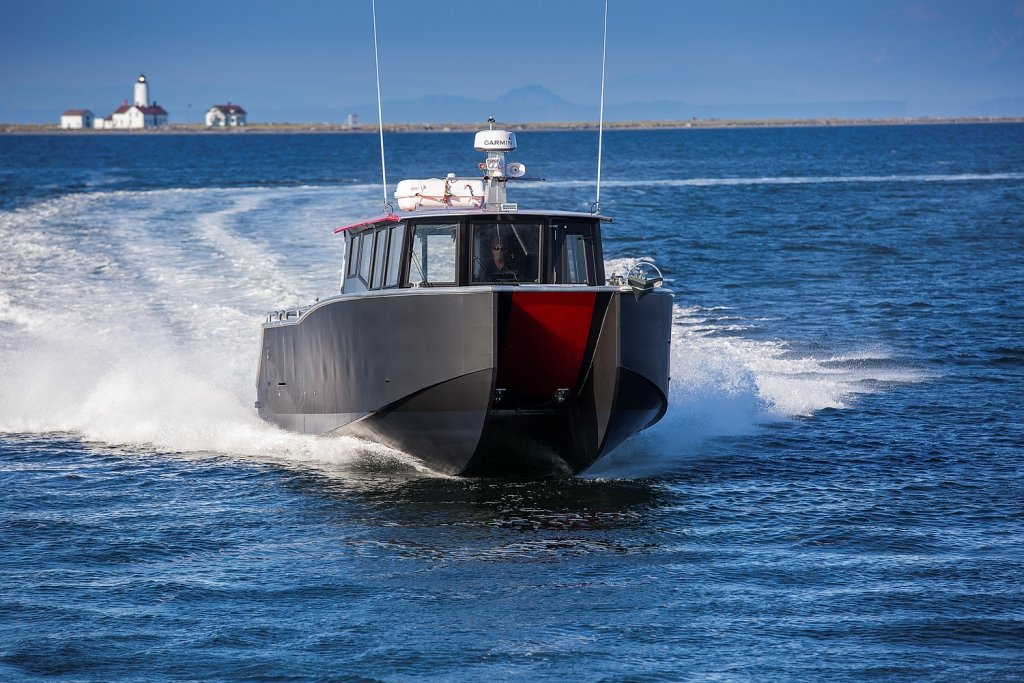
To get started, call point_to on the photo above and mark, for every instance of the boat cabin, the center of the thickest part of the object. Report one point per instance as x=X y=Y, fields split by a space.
x=461 y=232
x=462 y=249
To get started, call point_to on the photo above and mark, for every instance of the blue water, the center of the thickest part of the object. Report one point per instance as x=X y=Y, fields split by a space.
x=835 y=494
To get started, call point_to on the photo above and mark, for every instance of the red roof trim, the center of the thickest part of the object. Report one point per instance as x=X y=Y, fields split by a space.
x=390 y=218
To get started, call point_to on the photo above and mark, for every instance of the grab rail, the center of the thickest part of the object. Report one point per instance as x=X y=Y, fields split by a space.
x=286 y=315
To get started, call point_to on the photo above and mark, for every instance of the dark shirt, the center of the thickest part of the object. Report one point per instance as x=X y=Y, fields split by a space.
x=491 y=271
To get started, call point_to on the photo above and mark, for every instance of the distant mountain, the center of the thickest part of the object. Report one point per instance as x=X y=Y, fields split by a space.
x=527 y=104
x=535 y=103
x=1002 y=106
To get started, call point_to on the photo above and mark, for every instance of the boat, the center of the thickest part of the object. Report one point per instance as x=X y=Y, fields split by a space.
x=478 y=336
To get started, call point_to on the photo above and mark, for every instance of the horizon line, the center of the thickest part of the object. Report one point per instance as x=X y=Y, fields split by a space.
x=456 y=126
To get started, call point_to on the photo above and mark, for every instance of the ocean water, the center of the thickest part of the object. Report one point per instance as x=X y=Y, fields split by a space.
x=835 y=493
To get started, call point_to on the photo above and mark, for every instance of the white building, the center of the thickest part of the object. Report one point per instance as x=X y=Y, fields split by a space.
x=225 y=115
x=141 y=114
x=135 y=116
x=77 y=118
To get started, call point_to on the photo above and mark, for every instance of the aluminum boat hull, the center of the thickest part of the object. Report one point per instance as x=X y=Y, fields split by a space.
x=474 y=380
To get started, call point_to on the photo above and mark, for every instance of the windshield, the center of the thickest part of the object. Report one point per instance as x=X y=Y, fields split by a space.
x=506 y=252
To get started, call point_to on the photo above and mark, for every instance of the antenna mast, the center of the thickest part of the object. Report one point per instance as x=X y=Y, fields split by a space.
x=380 y=117
x=600 y=124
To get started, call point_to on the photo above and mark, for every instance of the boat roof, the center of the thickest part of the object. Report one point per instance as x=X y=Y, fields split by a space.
x=462 y=213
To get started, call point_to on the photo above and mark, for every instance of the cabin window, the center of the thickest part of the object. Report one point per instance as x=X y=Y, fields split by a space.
x=574 y=260
x=365 y=256
x=353 y=254
x=379 y=251
x=506 y=252
x=433 y=258
x=574 y=256
x=395 y=239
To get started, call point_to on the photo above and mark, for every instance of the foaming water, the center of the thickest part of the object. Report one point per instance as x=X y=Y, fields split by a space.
x=139 y=323
x=139 y=326
x=726 y=385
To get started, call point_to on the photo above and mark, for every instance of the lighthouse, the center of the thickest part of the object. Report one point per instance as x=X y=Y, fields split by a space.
x=141 y=92
x=141 y=114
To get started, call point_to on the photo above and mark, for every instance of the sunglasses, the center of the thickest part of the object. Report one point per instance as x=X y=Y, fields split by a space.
x=499 y=248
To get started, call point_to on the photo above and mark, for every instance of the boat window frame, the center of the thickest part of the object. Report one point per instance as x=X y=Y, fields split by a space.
x=368 y=237
x=552 y=229
x=457 y=225
x=567 y=265
x=380 y=244
x=588 y=230
x=355 y=243
x=395 y=256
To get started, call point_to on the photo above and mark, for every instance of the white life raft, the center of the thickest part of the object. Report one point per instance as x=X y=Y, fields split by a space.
x=440 y=193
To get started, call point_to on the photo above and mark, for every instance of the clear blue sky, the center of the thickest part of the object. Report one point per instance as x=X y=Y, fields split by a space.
x=312 y=60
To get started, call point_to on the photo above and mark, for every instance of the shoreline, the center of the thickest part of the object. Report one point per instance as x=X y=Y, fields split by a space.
x=264 y=128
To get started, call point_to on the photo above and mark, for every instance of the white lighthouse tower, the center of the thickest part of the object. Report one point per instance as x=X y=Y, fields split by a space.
x=141 y=92
x=141 y=114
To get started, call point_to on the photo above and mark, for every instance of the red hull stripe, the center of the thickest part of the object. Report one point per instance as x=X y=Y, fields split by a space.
x=545 y=342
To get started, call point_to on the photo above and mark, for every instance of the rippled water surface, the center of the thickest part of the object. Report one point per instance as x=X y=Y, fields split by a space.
x=836 y=492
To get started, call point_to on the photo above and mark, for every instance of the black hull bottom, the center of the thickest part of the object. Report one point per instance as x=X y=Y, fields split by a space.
x=440 y=425
x=562 y=439
x=505 y=383
x=543 y=440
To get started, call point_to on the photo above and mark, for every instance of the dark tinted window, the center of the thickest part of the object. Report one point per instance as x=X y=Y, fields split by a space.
x=506 y=252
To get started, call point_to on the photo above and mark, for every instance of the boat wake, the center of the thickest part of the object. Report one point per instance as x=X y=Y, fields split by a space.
x=131 y=319
x=724 y=384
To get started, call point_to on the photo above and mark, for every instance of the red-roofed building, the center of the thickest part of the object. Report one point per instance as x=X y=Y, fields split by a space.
x=225 y=115
x=136 y=116
x=142 y=114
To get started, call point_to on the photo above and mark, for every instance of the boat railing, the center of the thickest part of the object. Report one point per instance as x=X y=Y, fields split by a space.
x=286 y=315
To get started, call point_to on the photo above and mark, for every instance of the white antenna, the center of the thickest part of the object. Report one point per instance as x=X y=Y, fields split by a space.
x=600 y=124
x=380 y=117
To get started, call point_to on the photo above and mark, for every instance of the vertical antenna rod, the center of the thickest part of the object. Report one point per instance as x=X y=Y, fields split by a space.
x=600 y=124
x=380 y=117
